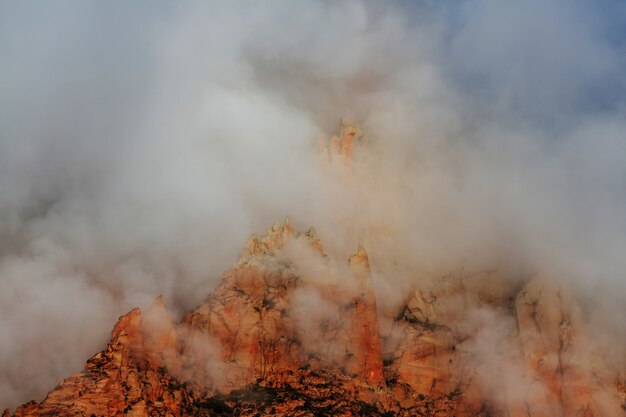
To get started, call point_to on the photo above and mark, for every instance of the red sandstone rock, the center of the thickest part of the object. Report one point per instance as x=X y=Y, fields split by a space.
x=279 y=338
x=246 y=349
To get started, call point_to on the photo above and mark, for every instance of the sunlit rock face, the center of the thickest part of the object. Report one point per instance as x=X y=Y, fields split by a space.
x=128 y=378
x=254 y=341
x=255 y=346
x=559 y=356
x=294 y=330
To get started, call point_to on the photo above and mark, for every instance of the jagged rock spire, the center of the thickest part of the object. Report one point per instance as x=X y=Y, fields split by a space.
x=274 y=240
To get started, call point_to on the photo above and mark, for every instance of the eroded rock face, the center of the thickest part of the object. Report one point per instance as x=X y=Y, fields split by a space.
x=242 y=336
x=128 y=378
x=256 y=318
x=272 y=341
x=560 y=356
x=289 y=332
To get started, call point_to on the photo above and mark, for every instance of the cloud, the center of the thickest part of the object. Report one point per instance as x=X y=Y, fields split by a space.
x=140 y=146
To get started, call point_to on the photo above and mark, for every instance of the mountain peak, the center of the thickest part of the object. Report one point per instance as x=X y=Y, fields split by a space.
x=278 y=338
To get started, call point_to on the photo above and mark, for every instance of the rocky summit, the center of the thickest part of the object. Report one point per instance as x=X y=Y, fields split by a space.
x=290 y=332
x=254 y=348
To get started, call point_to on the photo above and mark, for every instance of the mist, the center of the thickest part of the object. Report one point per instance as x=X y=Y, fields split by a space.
x=141 y=145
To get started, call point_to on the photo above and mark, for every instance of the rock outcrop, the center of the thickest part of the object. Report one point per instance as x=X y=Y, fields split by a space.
x=291 y=332
x=254 y=347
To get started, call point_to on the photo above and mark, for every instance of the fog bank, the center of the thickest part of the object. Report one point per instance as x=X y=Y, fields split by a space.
x=140 y=145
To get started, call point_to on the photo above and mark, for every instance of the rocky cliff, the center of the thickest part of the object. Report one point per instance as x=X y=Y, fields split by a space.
x=291 y=332
x=272 y=341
